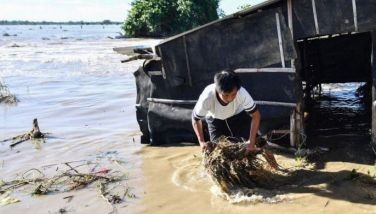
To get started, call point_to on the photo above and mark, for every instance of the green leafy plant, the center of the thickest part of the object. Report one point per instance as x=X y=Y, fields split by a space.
x=159 y=18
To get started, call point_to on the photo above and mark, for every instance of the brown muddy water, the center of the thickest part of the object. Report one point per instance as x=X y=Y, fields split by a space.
x=339 y=177
x=84 y=97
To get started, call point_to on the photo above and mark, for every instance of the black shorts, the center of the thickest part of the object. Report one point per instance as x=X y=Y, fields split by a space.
x=236 y=128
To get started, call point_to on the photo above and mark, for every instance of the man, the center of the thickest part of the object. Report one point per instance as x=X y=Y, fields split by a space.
x=226 y=106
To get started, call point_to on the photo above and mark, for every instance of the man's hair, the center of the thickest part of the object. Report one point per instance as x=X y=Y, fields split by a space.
x=226 y=81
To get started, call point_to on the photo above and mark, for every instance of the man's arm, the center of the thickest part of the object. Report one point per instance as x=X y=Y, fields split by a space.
x=199 y=131
x=255 y=124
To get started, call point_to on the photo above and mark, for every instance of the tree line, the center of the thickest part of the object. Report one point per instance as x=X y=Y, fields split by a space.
x=19 y=22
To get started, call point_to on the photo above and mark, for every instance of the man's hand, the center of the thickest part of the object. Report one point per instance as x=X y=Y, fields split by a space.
x=251 y=147
x=207 y=146
x=203 y=145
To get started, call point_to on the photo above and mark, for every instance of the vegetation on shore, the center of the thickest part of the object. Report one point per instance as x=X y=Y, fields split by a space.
x=159 y=18
x=5 y=95
x=19 y=22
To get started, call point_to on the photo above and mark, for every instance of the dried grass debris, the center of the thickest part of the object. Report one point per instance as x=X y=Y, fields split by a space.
x=230 y=167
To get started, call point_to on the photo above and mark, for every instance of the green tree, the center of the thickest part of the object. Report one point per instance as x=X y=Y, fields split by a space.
x=166 y=18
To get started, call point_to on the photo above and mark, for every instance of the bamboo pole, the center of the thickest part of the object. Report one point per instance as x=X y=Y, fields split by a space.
x=271 y=70
x=258 y=102
x=187 y=61
x=315 y=17
x=355 y=15
x=280 y=43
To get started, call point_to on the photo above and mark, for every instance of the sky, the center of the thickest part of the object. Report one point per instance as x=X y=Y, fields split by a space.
x=83 y=10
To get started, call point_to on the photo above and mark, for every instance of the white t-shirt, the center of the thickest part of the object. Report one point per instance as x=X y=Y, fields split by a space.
x=208 y=104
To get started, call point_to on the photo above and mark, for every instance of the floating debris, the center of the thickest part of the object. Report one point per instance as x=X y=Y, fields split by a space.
x=14 y=45
x=65 y=181
x=69 y=198
x=35 y=133
x=6 y=199
x=7 y=34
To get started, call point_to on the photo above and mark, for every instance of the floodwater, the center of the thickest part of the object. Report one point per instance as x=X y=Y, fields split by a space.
x=341 y=109
x=71 y=80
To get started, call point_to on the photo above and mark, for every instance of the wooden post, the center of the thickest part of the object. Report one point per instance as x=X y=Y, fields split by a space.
x=293 y=132
x=296 y=117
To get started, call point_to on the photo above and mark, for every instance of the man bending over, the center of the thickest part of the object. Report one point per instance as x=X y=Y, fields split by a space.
x=226 y=106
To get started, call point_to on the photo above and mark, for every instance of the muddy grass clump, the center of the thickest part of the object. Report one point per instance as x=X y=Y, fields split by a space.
x=231 y=167
x=5 y=96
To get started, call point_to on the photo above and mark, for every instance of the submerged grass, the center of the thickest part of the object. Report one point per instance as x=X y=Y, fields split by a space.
x=5 y=95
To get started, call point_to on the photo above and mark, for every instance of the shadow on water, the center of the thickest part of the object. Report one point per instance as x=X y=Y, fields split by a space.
x=340 y=119
x=345 y=185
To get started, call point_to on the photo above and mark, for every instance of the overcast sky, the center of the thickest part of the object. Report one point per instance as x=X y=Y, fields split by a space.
x=82 y=10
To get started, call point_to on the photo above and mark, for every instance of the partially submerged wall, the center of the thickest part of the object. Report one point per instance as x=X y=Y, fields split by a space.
x=259 y=45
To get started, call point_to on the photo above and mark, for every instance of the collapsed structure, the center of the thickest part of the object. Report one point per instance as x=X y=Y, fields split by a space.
x=281 y=49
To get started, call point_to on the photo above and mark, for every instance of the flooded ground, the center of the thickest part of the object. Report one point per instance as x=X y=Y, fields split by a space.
x=340 y=119
x=183 y=187
x=72 y=81
x=338 y=180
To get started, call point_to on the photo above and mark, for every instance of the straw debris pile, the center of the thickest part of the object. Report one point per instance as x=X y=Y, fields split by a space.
x=230 y=167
